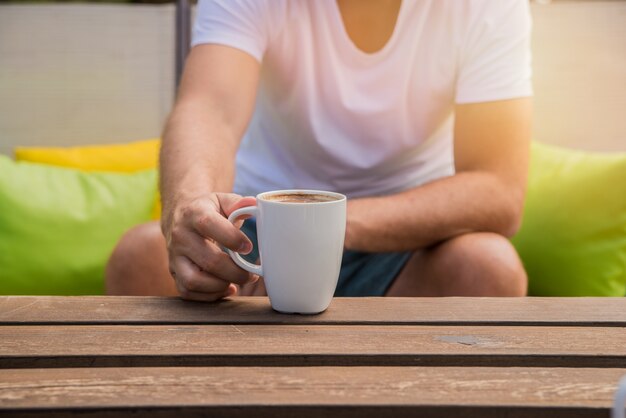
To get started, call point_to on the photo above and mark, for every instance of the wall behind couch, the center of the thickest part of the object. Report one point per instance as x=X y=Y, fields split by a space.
x=579 y=52
x=86 y=73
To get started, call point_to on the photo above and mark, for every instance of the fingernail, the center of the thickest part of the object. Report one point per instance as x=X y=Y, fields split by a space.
x=245 y=248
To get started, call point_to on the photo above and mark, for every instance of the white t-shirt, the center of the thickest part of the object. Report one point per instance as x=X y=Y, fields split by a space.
x=332 y=117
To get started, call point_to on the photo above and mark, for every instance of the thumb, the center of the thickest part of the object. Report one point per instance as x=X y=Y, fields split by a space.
x=230 y=202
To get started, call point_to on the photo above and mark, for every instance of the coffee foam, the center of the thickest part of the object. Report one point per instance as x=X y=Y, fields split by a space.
x=300 y=198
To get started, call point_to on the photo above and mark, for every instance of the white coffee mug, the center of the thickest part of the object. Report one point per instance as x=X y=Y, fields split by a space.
x=300 y=246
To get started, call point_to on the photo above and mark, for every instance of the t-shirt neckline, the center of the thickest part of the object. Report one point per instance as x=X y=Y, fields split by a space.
x=350 y=47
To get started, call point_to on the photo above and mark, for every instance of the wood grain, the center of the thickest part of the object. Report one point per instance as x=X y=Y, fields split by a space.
x=306 y=345
x=256 y=310
x=468 y=392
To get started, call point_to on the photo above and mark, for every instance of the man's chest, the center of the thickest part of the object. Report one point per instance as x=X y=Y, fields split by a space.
x=405 y=90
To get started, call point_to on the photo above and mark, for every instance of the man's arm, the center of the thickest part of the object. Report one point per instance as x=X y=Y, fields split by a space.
x=201 y=137
x=215 y=103
x=491 y=151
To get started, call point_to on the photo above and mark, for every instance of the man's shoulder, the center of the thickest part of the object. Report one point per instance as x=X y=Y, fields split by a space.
x=254 y=6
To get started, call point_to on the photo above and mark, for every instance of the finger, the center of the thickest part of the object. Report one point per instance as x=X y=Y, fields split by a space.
x=215 y=226
x=249 y=288
x=233 y=290
x=205 y=297
x=189 y=278
x=210 y=258
x=241 y=203
x=260 y=290
x=246 y=290
x=231 y=202
x=207 y=218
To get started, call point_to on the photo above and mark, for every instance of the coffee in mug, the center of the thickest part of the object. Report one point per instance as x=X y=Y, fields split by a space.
x=300 y=198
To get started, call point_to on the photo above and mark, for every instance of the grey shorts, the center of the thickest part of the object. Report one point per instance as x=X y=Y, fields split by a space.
x=362 y=274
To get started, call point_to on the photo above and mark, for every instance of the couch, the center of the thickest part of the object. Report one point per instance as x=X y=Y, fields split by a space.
x=62 y=88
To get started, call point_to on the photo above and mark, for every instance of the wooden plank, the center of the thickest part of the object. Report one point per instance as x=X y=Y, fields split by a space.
x=306 y=345
x=256 y=310
x=301 y=391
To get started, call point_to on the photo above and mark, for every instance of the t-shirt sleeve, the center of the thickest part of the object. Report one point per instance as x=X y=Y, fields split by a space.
x=240 y=24
x=495 y=57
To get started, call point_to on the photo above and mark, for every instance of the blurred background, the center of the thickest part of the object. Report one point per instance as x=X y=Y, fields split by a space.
x=105 y=71
x=76 y=77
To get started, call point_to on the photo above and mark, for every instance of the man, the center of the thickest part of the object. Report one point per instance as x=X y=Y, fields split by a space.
x=418 y=111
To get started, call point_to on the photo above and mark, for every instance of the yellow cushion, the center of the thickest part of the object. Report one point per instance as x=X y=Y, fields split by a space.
x=124 y=158
x=120 y=158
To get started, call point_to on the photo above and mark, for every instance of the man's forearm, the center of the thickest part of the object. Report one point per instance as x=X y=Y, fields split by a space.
x=215 y=102
x=466 y=202
x=197 y=155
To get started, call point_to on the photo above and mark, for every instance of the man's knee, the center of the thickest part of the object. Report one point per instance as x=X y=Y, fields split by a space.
x=134 y=243
x=136 y=247
x=487 y=261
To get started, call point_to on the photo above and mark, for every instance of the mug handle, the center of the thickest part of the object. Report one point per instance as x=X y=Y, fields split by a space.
x=252 y=268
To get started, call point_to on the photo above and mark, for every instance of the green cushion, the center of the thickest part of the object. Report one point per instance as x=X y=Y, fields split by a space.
x=573 y=236
x=58 y=225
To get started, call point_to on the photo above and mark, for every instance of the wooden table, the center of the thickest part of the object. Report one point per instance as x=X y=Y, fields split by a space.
x=366 y=357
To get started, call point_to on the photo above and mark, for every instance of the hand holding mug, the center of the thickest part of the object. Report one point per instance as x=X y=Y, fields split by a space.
x=195 y=231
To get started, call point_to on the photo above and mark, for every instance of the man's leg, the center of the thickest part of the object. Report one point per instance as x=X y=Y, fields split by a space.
x=139 y=266
x=477 y=264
